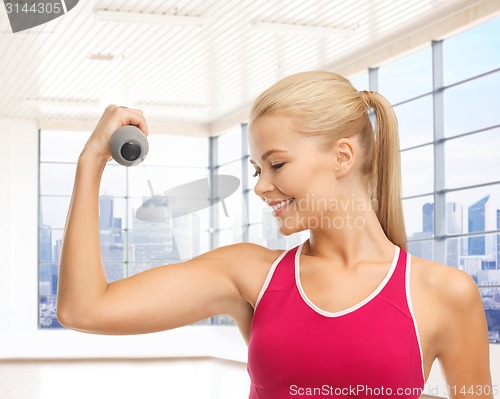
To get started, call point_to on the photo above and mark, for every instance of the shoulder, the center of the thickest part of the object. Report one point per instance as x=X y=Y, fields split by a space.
x=452 y=287
x=248 y=259
x=243 y=261
x=248 y=265
x=450 y=296
x=459 y=320
x=242 y=254
x=246 y=248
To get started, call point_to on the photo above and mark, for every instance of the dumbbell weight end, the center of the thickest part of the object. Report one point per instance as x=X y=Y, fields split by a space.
x=128 y=146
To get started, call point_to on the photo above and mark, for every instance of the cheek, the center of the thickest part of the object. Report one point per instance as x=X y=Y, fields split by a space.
x=318 y=189
x=318 y=176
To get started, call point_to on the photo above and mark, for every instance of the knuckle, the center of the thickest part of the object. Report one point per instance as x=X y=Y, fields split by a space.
x=117 y=111
x=111 y=107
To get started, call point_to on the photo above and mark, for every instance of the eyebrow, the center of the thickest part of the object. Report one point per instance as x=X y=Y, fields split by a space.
x=267 y=153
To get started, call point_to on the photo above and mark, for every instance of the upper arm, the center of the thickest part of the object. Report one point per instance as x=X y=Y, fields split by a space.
x=169 y=296
x=464 y=348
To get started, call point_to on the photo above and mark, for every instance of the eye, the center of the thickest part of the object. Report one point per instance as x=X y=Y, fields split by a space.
x=275 y=167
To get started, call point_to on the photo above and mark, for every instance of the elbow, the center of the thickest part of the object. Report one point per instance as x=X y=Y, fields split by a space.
x=61 y=318
x=64 y=313
x=67 y=318
x=73 y=319
x=77 y=313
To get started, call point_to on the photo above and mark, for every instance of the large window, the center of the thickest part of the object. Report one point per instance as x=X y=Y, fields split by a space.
x=445 y=96
x=130 y=243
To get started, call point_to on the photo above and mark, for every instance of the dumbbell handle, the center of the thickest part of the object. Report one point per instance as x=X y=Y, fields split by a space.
x=128 y=145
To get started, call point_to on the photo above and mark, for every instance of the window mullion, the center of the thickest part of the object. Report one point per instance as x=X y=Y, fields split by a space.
x=439 y=162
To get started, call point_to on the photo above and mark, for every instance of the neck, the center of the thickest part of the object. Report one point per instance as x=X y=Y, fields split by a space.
x=354 y=234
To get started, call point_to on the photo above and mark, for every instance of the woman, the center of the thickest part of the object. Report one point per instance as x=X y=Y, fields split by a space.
x=348 y=313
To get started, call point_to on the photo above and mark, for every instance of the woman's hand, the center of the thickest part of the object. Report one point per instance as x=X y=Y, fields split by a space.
x=114 y=117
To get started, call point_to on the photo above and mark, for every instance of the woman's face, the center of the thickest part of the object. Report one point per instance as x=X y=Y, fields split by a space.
x=300 y=171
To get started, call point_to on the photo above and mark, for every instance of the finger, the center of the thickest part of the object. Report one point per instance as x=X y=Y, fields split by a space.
x=129 y=116
x=139 y=120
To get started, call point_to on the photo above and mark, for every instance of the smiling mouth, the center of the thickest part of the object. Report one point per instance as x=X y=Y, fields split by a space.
x=282 y=204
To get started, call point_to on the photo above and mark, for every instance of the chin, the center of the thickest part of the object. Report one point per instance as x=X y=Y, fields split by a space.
x=288 y=230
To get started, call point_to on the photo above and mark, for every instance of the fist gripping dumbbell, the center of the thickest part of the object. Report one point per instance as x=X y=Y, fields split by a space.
x=128 y=146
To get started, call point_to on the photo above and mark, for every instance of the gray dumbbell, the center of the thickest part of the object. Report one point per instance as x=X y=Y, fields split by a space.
x=128 y=145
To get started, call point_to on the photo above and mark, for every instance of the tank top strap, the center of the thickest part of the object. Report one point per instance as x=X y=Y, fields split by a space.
x=284 y=273
x=395 y=291
x=281 y=275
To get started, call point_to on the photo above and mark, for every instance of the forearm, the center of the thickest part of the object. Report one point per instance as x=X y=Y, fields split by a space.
x=82 y=279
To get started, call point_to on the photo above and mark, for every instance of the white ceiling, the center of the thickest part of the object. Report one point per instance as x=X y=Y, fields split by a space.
x=186 y=75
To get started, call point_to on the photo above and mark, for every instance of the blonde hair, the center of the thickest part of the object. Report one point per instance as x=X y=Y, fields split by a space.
x=327 y=106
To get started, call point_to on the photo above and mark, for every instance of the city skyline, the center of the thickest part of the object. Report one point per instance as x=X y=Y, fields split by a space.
x=129 y=251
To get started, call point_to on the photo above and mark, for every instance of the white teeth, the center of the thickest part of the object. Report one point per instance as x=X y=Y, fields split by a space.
x=282 y=203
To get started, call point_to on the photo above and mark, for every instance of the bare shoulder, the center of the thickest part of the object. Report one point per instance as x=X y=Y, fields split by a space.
x=452 y=322
x=241 y=256
x=453 y=287
x=248 y=265
x=239 y=250
x=448 y=300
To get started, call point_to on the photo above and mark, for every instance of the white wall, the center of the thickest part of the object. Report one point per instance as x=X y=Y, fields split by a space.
x=19 y=333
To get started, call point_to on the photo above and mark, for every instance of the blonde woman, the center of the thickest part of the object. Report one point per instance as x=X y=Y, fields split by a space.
x=349 y=312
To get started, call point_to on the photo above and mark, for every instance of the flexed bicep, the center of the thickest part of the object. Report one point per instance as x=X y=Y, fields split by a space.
x=164 y=297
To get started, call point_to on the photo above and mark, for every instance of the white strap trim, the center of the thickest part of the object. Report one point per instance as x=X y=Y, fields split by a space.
x=410 y=307
x=380 y=287
x=269 y=277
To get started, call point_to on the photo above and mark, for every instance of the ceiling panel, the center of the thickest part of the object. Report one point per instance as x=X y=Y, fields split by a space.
x=69 y=69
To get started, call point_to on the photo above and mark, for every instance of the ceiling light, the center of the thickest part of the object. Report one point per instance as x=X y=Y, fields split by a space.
x=101 y=57
x=301 y=30
x=149 y=18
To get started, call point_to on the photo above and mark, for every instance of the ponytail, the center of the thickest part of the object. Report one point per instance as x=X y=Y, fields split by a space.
x=386 y=187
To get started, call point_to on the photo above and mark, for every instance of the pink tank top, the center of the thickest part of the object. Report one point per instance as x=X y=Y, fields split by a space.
x=370 y=350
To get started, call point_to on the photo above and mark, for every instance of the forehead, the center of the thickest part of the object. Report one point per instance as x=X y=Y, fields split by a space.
x=280 y=132
x=271 y=132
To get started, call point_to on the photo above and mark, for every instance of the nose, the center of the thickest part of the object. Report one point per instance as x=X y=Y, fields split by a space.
x=263 y=186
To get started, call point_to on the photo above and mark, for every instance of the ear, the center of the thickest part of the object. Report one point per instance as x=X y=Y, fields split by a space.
x=344 y=156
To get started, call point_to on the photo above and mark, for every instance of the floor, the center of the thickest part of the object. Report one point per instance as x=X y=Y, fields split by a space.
x=124 y=379
x=186 y=378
